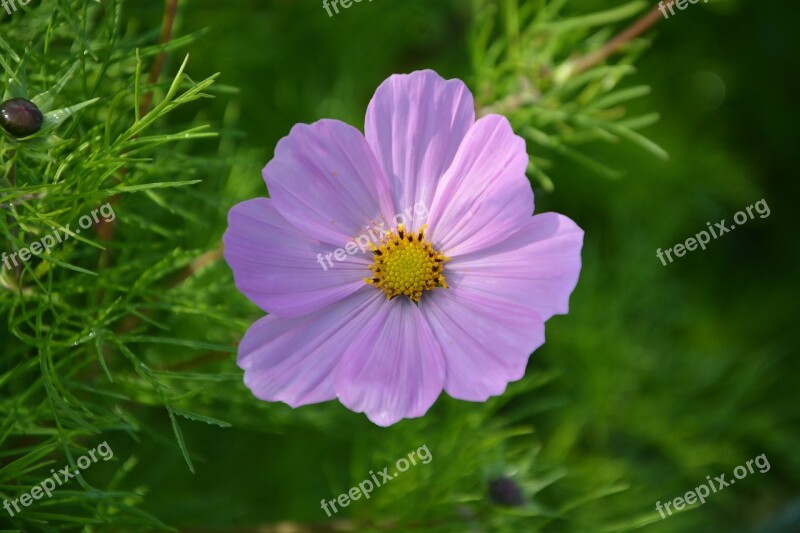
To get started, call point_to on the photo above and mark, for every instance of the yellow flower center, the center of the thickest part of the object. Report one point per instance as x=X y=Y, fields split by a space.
x=407 y=265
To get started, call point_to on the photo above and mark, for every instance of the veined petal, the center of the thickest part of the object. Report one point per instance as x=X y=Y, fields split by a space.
x=293 y=360
x=484 y=196
x=486 y=342
x=415 y=124
x=537 y=268
x=394 y=368
x=326 y=182
x=281 y=269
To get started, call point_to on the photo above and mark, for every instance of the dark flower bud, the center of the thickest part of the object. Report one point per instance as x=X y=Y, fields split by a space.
x=506 y=492
x=20 y=117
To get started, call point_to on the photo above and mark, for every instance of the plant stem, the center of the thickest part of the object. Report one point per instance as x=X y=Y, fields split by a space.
x=633 y=31
x=12 y=179
x=105 y=232
x=167 y=25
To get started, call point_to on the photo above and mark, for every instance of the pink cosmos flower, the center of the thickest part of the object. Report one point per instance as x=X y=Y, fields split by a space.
x=455 y=302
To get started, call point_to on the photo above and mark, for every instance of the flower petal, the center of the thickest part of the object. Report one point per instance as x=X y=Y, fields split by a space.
x=293 y=360
x=326 y=182
x=395 y=368
x=484 y=196
x=537 y=268
x=486 y=342
x=282 y=270
x=415 y=124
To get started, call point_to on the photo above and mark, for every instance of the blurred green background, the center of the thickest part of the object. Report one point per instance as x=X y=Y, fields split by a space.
x=658 y=377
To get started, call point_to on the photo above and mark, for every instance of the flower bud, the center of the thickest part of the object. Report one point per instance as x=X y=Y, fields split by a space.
x=506 y=492
x=20 y=117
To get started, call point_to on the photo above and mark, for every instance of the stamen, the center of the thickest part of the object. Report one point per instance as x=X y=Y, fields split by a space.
x=407 y=265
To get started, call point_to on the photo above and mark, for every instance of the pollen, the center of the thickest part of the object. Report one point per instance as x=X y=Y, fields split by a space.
x=407 y=265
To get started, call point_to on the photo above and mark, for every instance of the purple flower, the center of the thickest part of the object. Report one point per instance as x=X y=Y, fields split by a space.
x=458 y=277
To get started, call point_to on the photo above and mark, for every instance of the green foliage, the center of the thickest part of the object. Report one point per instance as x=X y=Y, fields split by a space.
x=536 y=65
x=127 y=333
x=74 y=363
